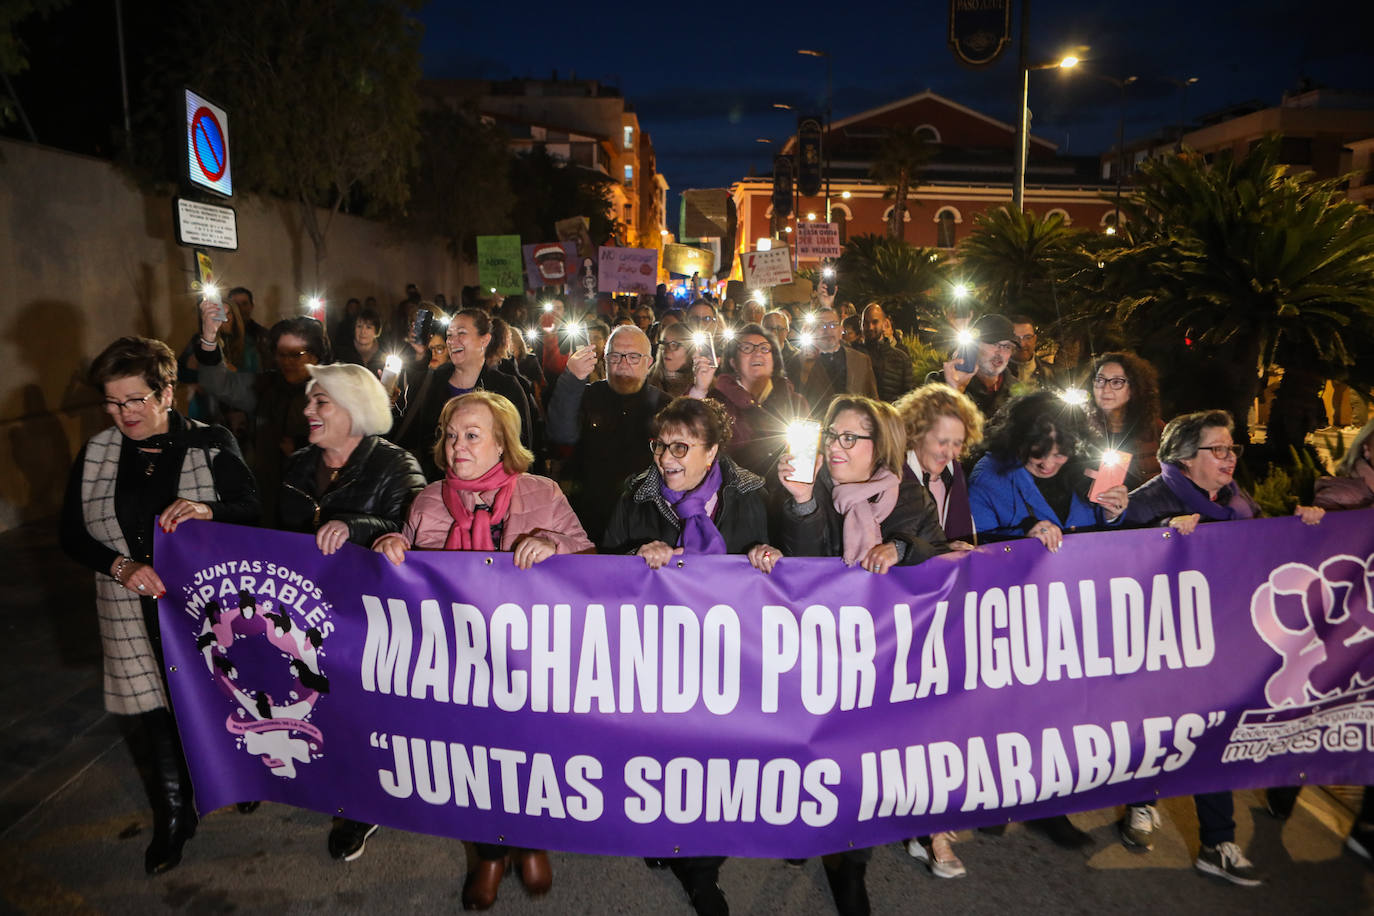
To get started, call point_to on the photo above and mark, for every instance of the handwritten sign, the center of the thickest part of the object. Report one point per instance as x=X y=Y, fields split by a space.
x=818 y=240
x=499 y=264
x=627 y=270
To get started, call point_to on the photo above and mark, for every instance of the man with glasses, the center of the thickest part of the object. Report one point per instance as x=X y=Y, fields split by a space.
x=1027 y=368
x=891 y=364
x=779 y=324
x=987 y=385
x=606 y=423
x=828 y=368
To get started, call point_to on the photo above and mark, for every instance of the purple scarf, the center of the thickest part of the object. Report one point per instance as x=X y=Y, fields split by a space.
x=699 y=533
x=1195 y=500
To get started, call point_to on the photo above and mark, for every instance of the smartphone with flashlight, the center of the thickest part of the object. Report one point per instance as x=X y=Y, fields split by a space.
x=574 y=336
x=966 y=353
x=706 y=346
x=421 y=326
x=803 y=443
x=1110 y=473
x=828 y=282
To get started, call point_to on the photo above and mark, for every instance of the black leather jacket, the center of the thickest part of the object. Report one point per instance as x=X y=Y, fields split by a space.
x=913 y=525
x=371 y=495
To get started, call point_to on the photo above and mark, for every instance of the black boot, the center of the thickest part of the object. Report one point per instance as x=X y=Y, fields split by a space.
x=699 y=877
x=169 y=790
x=845 y=874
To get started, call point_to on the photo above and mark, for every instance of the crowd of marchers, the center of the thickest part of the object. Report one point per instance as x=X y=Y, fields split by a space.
x=635 y=427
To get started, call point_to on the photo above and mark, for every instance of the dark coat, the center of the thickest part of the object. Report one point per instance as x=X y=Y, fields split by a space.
x=892 y=368
x=609 y=433
x=371 y=495
x=988 y=401
x=819 y=389
x=913 y=521
x=643 y=516
x=959 y=516
x=758 y=430
x=1153 y=503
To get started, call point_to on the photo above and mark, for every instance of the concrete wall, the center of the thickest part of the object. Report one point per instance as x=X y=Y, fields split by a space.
x=86 y=257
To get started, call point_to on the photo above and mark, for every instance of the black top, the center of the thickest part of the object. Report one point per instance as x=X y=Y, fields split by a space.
x=140 y=497
x=372 y=493
x=418 y=429
x=913 y=525
x=643 y=516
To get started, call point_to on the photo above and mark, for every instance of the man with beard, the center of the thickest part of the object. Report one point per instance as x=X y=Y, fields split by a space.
x=891 y=364
x=1026 y=367
x=987 y=384
x=606 y=422
x=827 y=367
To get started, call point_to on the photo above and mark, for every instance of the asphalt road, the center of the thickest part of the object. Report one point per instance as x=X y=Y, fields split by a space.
x=74 y=823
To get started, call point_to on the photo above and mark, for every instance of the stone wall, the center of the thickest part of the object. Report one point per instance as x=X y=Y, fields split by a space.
x=86 y=256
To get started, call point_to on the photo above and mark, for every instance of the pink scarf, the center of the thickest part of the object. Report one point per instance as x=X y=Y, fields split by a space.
x=862 y=518
x=472 y=528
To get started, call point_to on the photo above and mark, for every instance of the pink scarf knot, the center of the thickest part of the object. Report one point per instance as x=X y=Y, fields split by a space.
x=863 y=516
x=472 y=522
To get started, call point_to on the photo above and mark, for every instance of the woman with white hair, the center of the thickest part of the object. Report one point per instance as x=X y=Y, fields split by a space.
x=348 y=484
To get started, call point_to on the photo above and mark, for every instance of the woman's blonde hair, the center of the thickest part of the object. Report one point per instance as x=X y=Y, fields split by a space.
x=515 y=458
x=889 y=436
x=922 y=408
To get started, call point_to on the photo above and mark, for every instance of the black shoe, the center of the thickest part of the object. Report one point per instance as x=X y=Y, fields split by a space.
x=1061 y=831
x=170 y=833
x=169 y=790
x=247 y=807
x=1281 y=800
x=847 y=888
x=703 y=893
x=348 y=839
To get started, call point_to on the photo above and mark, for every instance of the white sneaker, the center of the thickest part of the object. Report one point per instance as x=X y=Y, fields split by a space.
x=939 y=856
x=1138 y=827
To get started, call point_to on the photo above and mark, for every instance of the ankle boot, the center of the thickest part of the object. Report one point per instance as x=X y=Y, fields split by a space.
x=169 y=791
x=699 y=877
x=845 y=876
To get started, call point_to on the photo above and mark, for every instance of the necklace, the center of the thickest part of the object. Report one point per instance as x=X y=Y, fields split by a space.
x=149 y=462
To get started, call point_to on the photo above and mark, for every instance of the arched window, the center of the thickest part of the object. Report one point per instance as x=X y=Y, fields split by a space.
x=906 y=215
x=1062 y=214
x=945 y=221
x=840 y=216
x=929 y=133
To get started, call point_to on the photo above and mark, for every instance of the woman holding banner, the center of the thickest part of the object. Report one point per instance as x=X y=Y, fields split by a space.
x=487 y=502
x=1196 y=484
x=347 y=485
x=692 y=500
x=859 y=508
x=152 y=463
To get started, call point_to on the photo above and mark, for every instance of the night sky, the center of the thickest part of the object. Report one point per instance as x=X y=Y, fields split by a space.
x=704 y=77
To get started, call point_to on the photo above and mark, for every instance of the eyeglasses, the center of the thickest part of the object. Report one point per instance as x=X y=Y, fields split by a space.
x=1115 y=382
x=439 y=348
x=112 y=406
x=676 y=449
x=1220 y=452
x=828 y=325
x=710 y=318
x=1004 y=346
x=292 y=355
x=847 y=440
x=748 y=349
x=634 y=359
x=1025 y=338
x=672 y=346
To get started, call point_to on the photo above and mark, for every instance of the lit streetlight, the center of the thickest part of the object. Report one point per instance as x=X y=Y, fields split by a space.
x=1018 y=185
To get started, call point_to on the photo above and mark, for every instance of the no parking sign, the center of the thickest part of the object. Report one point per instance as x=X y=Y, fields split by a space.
x=207 y=145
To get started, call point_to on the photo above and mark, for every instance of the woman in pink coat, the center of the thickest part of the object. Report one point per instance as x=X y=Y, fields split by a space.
x=487 y=502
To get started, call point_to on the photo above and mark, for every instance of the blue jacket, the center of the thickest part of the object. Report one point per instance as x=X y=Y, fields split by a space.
x=1006 y=503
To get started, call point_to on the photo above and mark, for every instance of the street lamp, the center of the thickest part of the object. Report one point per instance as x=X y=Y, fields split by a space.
x=1121 y=85
x=1018 y=185
x=825 y=138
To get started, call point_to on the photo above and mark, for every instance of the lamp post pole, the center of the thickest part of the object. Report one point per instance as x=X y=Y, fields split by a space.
x=825 y=136
x=1018 y=180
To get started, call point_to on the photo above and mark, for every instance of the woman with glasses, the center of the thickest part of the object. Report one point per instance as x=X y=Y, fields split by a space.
x=1016 y=489
x=680 y=371
x=861 y=508
x=759 y=399
x=1124 y=413
x=486 y=501
x=1196 y=484
x=152 y=463
x=692 y=500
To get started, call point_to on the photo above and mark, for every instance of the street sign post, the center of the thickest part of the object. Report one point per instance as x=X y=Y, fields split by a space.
x=207 y=146
x=205 y=225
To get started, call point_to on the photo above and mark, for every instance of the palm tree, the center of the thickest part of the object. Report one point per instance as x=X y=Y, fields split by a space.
x=900 y=160
x=1255 y=267
x=908 y=281
x=1022 y=263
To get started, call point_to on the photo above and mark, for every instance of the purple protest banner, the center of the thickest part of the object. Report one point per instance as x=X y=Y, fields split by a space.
x=592 y=705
